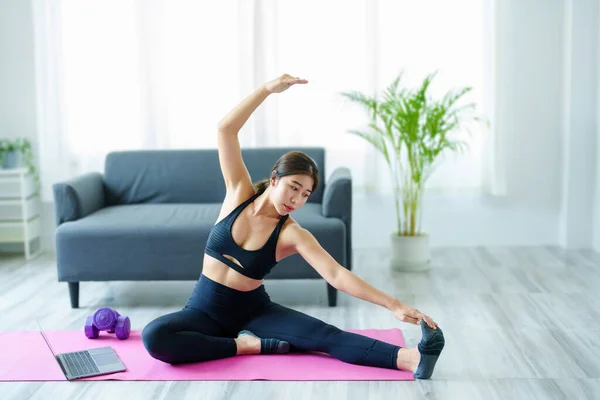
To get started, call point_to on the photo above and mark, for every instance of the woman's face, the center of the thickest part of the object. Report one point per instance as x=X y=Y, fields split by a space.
x=289 y=193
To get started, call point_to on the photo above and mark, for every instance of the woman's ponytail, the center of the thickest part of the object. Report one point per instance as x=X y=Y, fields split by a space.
x=261 y=186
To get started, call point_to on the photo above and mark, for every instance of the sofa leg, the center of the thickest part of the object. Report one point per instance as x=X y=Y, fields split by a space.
x=331 y=295
x=74 y=294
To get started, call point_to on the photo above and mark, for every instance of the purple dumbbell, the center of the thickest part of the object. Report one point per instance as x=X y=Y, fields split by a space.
x=106 y=319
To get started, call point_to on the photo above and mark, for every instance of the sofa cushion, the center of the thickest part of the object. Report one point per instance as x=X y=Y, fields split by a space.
x=137 y=239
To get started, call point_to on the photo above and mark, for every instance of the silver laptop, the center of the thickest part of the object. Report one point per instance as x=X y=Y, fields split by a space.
x=85 y=363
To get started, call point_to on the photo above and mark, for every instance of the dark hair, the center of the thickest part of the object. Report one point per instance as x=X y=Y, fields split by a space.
x=291 y=163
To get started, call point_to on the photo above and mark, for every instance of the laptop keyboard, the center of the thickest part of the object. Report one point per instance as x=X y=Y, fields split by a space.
x=80 y=363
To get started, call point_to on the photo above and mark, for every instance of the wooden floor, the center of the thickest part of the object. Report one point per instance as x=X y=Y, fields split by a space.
x=520 y=323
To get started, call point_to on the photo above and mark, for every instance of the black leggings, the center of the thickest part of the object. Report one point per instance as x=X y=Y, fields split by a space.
x=205 y=329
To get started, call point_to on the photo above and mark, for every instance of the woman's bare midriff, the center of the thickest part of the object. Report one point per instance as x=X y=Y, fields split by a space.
x=219 y=272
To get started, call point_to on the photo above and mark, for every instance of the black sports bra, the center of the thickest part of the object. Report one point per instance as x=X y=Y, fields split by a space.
x=256 y=263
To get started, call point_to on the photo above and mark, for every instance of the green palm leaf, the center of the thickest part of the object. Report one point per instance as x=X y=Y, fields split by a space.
x=375 y=140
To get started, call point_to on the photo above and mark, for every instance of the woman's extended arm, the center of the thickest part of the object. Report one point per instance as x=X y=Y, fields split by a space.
x=344 y=280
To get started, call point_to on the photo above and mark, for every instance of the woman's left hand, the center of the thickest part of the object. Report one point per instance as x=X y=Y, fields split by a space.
x=283 y=83
x=413 y=316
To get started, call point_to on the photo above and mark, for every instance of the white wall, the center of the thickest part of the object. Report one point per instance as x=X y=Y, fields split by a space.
x=529 y=102
x=531 y=61
x=17 y=82
x=17 y=85
x=579 y=124
x=596 y=217
x=596 y=203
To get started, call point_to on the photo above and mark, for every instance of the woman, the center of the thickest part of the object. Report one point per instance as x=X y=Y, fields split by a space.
x=229 y=312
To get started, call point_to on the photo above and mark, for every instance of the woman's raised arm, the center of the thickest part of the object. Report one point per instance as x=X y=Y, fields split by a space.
x=233 y=168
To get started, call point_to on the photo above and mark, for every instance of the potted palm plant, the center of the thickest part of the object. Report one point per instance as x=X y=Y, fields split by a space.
x=413 y=131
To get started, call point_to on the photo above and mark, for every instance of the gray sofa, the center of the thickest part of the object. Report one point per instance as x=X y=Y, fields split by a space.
x=148 y=216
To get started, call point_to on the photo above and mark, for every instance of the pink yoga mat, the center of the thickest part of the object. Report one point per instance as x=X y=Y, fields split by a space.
x=24 y=356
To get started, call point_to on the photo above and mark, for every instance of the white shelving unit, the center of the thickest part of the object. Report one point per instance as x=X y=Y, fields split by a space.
x=20 y=210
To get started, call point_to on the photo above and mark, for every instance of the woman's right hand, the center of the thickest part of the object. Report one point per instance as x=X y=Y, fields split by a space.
x=282 y=83
x=413 y=316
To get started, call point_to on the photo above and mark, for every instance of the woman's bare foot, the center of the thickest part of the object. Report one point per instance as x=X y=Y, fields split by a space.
x=247 y=344
x=408 y=359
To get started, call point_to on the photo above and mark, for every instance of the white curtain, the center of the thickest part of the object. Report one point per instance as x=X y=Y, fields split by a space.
x=160 y=74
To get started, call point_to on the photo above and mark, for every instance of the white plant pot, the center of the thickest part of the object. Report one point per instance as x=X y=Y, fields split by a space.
x=410 y=253
x=12 y=159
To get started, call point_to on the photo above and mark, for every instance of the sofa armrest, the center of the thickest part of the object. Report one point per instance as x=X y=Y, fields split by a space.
x=337 y=203
x=337 y=199
x=78 y=197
